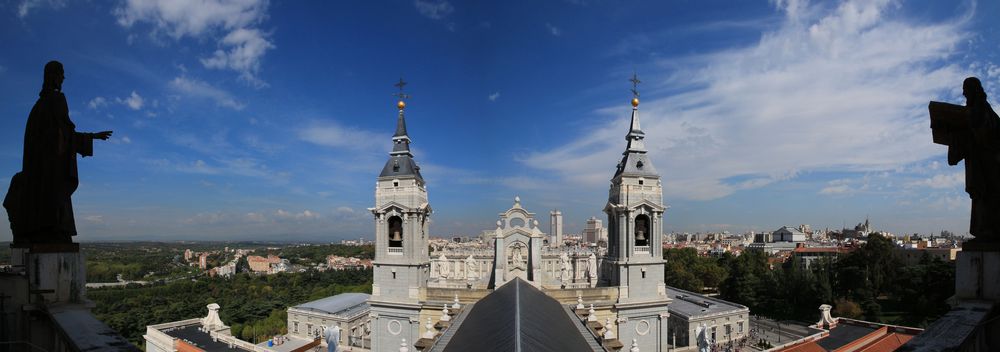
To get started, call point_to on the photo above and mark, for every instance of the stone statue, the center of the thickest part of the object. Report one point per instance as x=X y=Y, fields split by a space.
x=332 y=337
x=444 y=267
x=703 y=340
x=972 y=133
x=471 y=269
x=517 y=257
x=565 y=267
x=38 y=200
x=592 y=267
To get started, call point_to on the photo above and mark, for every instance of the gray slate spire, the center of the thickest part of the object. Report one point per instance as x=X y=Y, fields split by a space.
x=401 y=163
x=634 y=159
x=400 y=125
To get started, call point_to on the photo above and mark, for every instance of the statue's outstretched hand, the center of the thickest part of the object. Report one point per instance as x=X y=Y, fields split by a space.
x=103 y=135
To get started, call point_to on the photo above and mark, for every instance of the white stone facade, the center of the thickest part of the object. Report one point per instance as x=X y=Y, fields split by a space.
x=515 y=250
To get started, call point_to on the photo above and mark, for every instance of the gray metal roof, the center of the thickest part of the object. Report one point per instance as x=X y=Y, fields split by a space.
x=842 y=335
x=400 y=166
x=636 y=164
x=344 y=304
x=198 y=338
x=517 y=317
x=693 y=305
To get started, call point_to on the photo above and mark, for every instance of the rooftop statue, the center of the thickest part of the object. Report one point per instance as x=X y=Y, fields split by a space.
x=332 y=337
x=38 y=200
x=972 y=133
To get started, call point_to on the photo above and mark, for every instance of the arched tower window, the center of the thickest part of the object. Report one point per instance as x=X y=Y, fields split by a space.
x=613 y=237
x=395 y=232
x=642 y=230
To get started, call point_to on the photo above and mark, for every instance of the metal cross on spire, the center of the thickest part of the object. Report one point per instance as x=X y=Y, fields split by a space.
x=635 y=84
x=400 y=85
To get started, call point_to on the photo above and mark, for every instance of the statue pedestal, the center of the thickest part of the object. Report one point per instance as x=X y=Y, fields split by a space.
x=55 y=272
x=971 y=325
x=976 y=273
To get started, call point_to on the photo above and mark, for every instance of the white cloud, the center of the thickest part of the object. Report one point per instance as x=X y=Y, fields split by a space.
x=949 y=202
x=241 y=49
x=332 y=134
x=126 y=140
x=97 y=102
x=281 y=214
x=198 y=167
x=94 y=219
x=27 y=5
x=245 y=49
x=134 y=101
x=196 y=88
x=494 y=96
x=845 y=90
x=555 y=31
x=943 y=181
x=434 y=10
x=836 y=187
x=255 y=217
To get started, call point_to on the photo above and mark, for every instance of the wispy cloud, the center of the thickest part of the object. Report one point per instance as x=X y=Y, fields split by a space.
x=241 y=49
x=942 y=181
x=246 y=48
x=332 y=134
x=134 y=101
x=494 y=96
x=553 y=30
x=26 y=6
x=836 y=187
x=97 y=102
x=199 y=89
x=434 y=10
x=828 y=89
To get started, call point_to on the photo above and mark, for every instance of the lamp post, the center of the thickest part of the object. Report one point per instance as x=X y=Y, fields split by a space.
x=778 y=322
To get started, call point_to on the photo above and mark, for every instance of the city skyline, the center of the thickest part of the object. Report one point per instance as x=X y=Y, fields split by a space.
x=264 y=120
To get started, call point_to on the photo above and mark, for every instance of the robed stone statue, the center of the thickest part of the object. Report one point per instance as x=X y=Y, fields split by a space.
x=38 y=201
x=332 y=337
x=972 y=133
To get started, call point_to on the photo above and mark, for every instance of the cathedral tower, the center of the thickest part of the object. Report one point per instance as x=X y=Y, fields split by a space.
x=401 y=215
x=634 y=261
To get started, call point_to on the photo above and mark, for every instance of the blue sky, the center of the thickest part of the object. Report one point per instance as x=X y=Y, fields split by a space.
x=270 y=120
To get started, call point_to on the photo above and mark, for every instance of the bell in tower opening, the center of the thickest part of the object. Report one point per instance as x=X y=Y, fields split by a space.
x=395 y=232
x=641 y=230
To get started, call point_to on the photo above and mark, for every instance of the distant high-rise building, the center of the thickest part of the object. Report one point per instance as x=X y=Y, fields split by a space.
x=595 y=232
x=188 y=254
x=556 y=228
x=203 y=261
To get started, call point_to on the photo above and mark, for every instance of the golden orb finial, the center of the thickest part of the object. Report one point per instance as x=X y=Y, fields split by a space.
x=635 y=102
x=401 y=105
